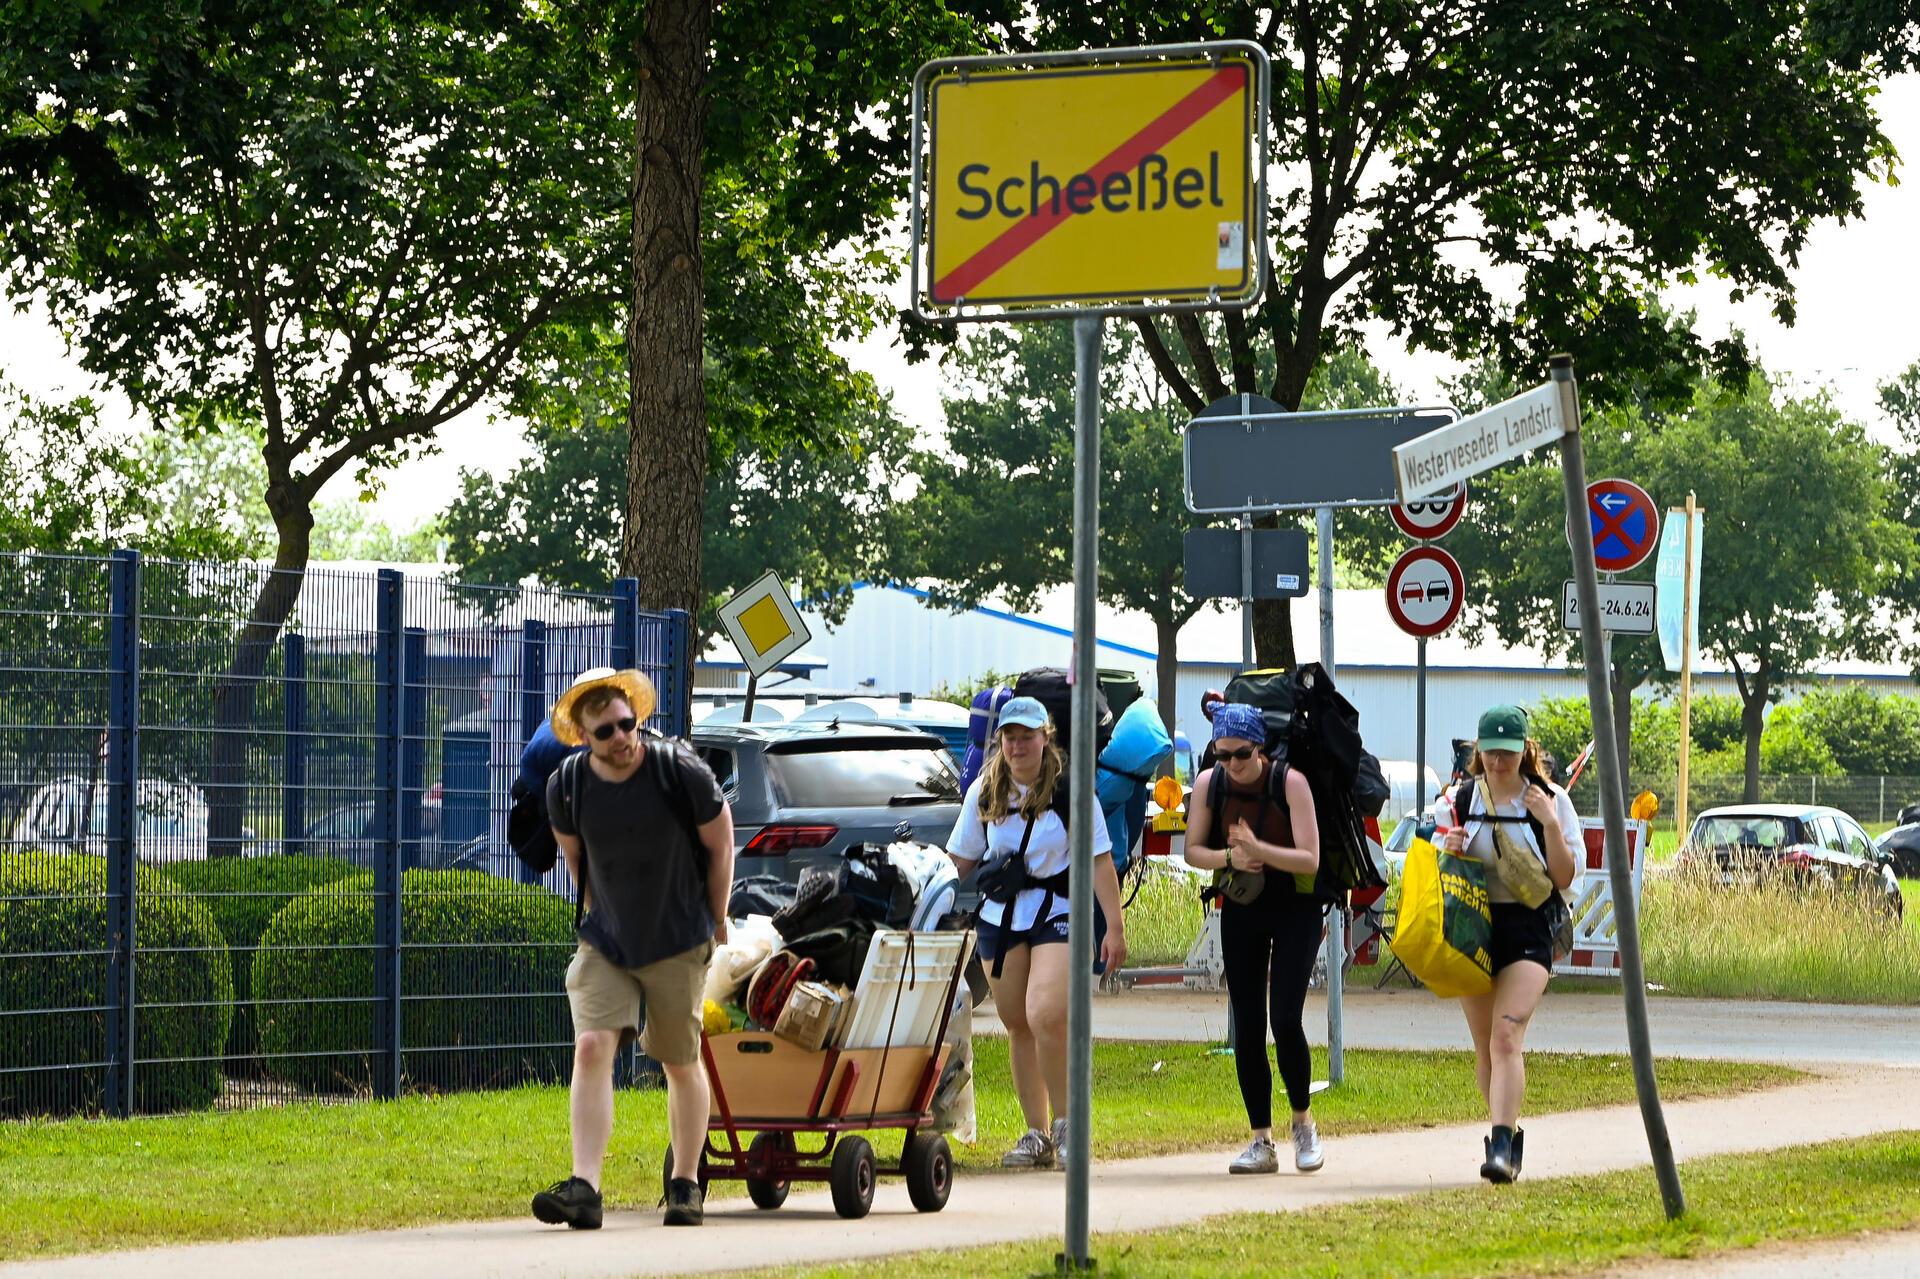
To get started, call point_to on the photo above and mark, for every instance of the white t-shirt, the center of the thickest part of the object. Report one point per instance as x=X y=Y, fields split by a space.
x=1047 y=852
x=1480 y=833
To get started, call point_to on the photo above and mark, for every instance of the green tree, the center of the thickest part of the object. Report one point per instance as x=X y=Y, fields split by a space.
x=342 y=221
x=1867 y=733
x=1586 y=153
x=821 y=514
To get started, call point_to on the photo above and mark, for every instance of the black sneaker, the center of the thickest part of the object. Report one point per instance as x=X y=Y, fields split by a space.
x=686 y=1204
x=572 y=1201
x=1498 y=1168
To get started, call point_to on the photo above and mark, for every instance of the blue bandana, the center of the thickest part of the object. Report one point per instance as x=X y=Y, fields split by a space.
x=1237 y=719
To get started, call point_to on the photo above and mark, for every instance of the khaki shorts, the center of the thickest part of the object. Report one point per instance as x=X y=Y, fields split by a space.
x=605 y=996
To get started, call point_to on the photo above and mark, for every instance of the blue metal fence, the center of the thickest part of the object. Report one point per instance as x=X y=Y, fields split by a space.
x=241 y=862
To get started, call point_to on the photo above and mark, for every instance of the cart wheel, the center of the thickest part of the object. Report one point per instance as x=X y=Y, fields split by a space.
x=852 y=1177
x=666 y=1172
x=769 y=1194
x=929 y=1164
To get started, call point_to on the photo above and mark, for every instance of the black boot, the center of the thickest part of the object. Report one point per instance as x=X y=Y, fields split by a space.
x=1499 y=1165
x=1519 y=1146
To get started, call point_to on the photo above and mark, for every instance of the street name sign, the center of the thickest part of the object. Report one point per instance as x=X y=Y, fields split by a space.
x=1109 y=180
x=763 y=624
x=1244 y=453
x=1431 y=518
x=1424 y=587
x=1440 y=459
x=1626 y=608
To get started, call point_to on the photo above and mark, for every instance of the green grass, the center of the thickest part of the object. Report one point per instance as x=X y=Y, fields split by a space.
x=1777 y=940
x=1163 y=919
x=87 y=1185
x=1562 y=1226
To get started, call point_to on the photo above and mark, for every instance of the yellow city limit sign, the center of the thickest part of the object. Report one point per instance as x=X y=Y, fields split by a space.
x=1093 y=183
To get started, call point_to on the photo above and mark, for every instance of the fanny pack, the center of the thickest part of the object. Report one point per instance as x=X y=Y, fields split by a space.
x=1523 y=872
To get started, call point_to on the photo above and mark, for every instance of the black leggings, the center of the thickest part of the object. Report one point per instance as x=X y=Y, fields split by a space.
x=1269 y=947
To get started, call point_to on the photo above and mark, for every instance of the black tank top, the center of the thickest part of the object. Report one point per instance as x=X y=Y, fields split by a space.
x=1269 y=819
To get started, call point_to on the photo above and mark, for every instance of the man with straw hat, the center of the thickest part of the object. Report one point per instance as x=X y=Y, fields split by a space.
x=648 y=836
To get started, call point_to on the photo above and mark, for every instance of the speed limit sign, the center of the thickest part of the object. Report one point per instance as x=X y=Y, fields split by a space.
x=1432 y=518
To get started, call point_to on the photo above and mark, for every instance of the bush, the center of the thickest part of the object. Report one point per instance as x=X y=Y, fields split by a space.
x=243 y=894
x=53 y=905
x=483 y=968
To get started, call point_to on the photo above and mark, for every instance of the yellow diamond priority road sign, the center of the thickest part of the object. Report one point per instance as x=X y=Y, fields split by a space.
x=763 y=624
x=1118 y=181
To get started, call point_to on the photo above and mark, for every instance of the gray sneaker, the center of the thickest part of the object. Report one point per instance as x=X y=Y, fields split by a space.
x=1307 y=1155
x=1258 y=1157
x=1033 y=1150
x=1059 y=1140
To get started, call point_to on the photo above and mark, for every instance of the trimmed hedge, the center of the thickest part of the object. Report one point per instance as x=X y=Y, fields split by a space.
x=53 y=905
x=483 y=968
x=243 y=894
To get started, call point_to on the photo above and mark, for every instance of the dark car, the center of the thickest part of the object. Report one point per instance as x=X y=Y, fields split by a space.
x=352 y=833
x=1902 y=847
x=1817 y=844
x=803 y=792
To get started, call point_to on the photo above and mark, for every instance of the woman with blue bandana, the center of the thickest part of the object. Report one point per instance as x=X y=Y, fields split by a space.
x=1269 y=930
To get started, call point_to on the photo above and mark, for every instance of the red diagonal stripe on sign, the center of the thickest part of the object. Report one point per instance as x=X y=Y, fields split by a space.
x=1024 y=234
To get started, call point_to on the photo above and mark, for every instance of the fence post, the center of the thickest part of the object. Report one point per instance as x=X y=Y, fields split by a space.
x=1883 y=799
x=533 y=678
x=386 y=863
x=413 y=745
x=122 y=745
x=624 y=649
x=1813 y=788
x=678 y=659
x=293 y=789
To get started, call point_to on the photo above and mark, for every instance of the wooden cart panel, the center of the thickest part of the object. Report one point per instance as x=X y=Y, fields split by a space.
x=762 y=1076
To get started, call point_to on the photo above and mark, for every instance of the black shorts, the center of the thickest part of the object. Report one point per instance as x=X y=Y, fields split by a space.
x=1520 y=932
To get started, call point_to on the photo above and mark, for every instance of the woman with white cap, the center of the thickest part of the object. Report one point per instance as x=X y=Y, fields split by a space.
x=1510 y=817
x=1014 y=819
x=1269 y=928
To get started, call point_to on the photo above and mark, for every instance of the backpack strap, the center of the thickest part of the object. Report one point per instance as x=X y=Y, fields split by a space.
x=662 y=758
x=1463 y=800
x=572 y=786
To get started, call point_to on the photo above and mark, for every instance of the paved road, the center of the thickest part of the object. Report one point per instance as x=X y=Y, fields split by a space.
x=1889 y=1256
x=1128 y=1195
x=1802 y=1035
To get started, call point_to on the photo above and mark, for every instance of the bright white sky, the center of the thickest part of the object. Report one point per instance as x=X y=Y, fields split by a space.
x=1856 y=285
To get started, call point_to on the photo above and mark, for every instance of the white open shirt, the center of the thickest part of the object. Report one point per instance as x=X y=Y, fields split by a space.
x=1480 y=833
x=1047 y=853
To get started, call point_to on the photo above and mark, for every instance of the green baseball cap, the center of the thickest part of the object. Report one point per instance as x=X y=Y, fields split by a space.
x=1503 y=728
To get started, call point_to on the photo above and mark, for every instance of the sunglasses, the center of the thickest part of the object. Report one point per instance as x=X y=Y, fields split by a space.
x=607 y=730
x=1245 y=752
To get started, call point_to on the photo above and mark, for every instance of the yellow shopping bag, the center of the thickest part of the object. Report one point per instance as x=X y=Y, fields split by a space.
x=1444 y=923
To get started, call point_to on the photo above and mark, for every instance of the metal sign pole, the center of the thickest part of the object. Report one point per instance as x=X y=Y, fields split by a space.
x=1612 y=807
x=1086 y=582
x=753 y=686
x=1687 y=605
x=1246 y=588
x=1420 y=799
x=1336 y=917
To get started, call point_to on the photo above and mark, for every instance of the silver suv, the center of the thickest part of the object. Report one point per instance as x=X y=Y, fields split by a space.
x=802 y=793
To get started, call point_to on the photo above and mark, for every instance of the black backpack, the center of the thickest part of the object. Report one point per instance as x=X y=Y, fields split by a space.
x=1311 y=727
x=1048 y=686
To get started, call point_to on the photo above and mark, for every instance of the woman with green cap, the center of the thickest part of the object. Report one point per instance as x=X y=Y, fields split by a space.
x=1523 y=828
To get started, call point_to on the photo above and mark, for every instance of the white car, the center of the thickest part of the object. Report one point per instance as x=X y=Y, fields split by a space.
x=70 y=814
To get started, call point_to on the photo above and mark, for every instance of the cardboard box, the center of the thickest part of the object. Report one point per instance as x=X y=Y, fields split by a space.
x=812 y=1016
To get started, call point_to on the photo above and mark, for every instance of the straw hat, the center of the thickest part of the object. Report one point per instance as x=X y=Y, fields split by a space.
x=633 y=685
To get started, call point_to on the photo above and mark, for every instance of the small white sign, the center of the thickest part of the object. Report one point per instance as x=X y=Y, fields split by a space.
x=763 y=624
x=1232 y=246
x=1626 y=608
x=1286 y=582
x=1461 y=450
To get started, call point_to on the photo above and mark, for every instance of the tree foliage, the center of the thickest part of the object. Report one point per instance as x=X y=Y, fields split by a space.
x=819 y=513
x=1514 y=177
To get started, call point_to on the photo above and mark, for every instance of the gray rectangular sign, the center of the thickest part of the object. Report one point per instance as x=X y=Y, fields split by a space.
x=1279 y=563
x=1267 y=461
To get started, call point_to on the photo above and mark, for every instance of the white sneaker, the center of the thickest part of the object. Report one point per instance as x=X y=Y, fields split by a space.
x=1033 y=1150
x=1259 y=1156
x=1307 y=1154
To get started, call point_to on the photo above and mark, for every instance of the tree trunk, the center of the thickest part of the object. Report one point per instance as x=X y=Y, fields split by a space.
x=1753 y=716
x=233 y=696
x=1166 y=668
x=667 y=403
x=1273 y=622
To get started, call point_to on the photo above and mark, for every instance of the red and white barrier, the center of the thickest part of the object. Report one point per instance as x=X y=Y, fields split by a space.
x=1596 y=947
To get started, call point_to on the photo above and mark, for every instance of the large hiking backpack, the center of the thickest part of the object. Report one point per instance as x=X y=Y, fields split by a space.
x=1048 y=685
x=1311 y=727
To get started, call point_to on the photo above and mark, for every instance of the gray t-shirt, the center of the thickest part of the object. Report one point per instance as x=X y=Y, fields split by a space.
x=646 y=874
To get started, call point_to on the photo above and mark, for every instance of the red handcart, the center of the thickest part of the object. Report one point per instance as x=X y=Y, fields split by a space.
x=883 y=1079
